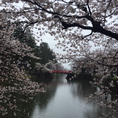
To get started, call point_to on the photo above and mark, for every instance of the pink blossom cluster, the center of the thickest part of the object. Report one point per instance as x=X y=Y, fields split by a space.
x=14 y=81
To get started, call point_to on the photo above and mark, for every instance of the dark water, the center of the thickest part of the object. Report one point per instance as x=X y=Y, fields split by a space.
x=65 y=100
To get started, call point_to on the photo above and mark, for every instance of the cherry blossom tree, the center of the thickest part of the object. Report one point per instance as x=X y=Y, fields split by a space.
x=71 y=22
x=13 y=79
x=89 y=15
x=76 y=24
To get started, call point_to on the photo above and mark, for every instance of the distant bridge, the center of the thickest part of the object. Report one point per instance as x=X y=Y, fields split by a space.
x=60 y=71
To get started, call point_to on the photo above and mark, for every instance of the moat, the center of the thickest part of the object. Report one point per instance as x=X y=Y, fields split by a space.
x=65 y=100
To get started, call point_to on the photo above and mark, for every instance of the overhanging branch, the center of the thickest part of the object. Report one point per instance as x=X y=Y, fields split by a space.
x=67 y=25
x=96 y=25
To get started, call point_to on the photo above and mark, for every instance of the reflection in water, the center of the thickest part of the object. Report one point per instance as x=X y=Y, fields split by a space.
x=82 y=89
x=64 y=100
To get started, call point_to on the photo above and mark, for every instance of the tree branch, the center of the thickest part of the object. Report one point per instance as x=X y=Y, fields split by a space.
x=96 y=25
x=67 y=25
x=89 y=7
x=56 y=13
x=98 y=28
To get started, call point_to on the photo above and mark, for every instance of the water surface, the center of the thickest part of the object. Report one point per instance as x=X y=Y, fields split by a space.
x=65 y=100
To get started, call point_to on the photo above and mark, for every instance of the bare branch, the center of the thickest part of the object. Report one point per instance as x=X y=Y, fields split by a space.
x=89 y=8
x=67 y=25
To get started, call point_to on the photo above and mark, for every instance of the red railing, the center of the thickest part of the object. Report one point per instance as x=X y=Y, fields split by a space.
x=60 y=71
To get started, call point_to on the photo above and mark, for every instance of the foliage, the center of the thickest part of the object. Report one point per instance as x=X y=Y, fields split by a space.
x=103 y=68
x=78 y=23
x=98 y=63
x=72 y=13
x=24 y=36
x=45 y=53
x=70 y=20
x=13 y=78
